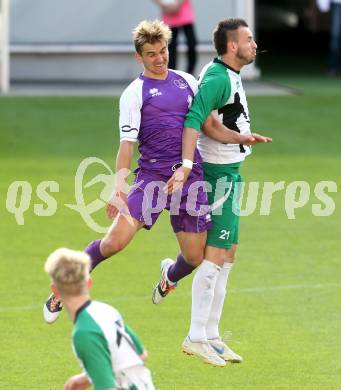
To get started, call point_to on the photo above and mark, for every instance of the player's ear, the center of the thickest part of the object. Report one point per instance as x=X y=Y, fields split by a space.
x=55 y=290
x=232 y=46
x=138 y=57
x=89 y=282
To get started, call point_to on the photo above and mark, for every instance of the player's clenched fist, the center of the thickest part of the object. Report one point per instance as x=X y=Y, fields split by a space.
x=118 y=203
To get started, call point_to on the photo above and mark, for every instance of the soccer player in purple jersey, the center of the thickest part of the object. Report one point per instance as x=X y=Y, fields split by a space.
x=152 y=113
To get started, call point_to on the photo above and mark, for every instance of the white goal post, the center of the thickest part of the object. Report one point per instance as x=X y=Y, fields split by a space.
x=4 y=46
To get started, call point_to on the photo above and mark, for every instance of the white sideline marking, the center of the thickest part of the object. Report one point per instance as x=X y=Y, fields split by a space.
x=5 y=309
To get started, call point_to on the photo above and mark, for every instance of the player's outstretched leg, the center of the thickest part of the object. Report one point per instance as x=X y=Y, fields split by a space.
x=203 y=350
x=53 y=307
x=119 y=235
x=171 y=273
x=164 y=286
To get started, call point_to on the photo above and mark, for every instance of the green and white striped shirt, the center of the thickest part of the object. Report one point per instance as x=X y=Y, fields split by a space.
x=221 y=93
x=105 y=346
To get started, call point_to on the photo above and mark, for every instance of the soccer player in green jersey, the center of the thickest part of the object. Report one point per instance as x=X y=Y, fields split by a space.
x=220 y=93
x=109 y=351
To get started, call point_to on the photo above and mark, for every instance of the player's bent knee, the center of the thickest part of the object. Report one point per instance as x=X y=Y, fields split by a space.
x=230 y=255
x=112 y=245
x=195 y=258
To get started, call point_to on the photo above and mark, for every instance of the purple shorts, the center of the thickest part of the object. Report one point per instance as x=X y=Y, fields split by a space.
x=189 y=210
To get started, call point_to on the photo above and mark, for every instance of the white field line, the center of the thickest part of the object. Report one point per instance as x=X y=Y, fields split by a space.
x=5 y=309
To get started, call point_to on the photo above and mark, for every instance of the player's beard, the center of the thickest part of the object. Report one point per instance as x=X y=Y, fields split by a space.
x=245 y=59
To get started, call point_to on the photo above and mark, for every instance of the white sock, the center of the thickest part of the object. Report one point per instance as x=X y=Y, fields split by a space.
x=212 y=327
x=202 y=296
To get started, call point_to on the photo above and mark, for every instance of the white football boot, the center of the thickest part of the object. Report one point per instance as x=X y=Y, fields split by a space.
x=204 y=351
x=165 y=286
x=224 y=351
x=52 y=309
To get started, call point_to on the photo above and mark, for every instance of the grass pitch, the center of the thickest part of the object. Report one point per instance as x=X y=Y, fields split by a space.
x=283 y=311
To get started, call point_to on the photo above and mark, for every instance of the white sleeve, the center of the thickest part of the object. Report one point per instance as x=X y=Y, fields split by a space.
x=130 y=112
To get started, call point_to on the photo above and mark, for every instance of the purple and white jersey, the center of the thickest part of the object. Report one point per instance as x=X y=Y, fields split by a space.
x=152 y=112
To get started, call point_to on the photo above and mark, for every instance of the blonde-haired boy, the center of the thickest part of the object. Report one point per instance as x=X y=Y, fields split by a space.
x=109 y=351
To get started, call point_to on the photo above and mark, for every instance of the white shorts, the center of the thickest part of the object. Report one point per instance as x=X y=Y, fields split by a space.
x=138 y=376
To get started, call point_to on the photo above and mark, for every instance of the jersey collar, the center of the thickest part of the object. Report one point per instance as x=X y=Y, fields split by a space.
x=219 y=61
x=81 y=308
x=143 y=77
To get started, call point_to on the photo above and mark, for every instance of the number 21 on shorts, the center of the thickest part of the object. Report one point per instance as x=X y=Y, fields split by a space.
x=224 y=234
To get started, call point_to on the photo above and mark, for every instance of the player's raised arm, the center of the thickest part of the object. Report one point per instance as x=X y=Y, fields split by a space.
x=130 y=119
x=217 y=131
x=189 y=143
x=118 y=200
x=258 y=138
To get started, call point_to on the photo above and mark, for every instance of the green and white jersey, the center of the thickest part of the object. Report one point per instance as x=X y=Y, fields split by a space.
x=221 y=93
x=106 y=348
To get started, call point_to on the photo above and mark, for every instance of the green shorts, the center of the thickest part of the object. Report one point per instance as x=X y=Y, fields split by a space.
x=223 y=198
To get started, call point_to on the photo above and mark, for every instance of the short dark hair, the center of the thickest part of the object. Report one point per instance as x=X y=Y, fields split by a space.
x=221 y=33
